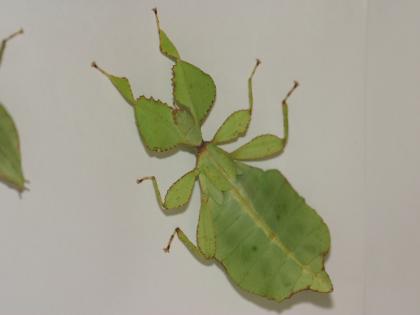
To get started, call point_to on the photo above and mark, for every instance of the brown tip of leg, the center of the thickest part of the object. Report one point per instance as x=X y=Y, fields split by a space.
x=168 y=247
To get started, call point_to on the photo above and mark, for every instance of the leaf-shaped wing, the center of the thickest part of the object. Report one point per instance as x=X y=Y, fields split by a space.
x=193 y=89
x=277 y=245
x=269 y=240
x=10 y=159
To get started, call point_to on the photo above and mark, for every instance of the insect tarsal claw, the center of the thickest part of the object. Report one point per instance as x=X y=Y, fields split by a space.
x=142 y=179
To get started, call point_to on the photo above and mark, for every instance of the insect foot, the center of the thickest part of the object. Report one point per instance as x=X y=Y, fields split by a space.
x=168 y=246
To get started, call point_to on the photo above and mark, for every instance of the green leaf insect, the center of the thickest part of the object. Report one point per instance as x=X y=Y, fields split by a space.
x=252 y=222
x=10 y=159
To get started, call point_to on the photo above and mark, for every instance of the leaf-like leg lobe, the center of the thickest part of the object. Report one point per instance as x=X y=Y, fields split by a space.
x=237 y=124
x=178 y=194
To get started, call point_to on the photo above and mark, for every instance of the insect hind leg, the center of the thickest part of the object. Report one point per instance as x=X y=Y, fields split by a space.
x=187 y=242
x=285 y=111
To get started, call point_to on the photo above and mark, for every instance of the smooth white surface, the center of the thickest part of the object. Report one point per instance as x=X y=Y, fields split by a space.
x=87 y=240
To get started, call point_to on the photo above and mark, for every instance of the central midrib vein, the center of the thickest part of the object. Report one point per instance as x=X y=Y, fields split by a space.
x=253 y=214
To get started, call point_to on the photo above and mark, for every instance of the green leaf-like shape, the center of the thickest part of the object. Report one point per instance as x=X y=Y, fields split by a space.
x=10 y=158
x=179 y=193
x=121 y=84
x=233 y=127
x=167 y=47
x=193 y=89
x=156 y=124
x=260 y=147
x=163 y=128
x=269 y=240
x=188 y=128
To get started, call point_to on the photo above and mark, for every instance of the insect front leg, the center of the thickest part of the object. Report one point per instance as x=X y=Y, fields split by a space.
x=178 y=194
x=187 y=242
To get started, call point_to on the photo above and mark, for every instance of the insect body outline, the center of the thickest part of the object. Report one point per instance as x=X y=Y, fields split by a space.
x=252 y=222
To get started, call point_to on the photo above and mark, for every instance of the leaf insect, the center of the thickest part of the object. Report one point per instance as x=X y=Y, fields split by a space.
x=268 y=239
x=10 y=158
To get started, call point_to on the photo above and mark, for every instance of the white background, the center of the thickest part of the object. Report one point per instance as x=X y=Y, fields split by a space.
x=87 y=240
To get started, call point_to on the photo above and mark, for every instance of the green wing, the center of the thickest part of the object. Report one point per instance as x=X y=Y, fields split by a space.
x=268 y=239
x=10 y=159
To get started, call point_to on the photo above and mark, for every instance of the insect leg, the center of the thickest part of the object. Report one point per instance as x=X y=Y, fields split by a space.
x=250 y=93
x=155 y=187
x=4 y=42
x=186 y=241
x=236 y=124
x=268 y=145
x=178 y=194
x=285 y=111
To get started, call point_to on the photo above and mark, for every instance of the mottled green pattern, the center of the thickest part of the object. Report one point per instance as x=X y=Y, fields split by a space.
x=268 y=239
